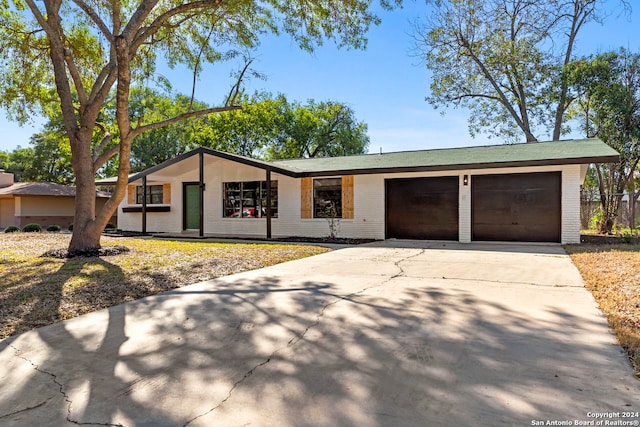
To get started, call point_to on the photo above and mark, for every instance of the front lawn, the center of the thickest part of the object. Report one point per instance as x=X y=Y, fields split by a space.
x=612 y=274
x=37 y=291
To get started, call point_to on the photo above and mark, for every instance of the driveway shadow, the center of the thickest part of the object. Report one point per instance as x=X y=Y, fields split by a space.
x=267 y=348
x=60 y=359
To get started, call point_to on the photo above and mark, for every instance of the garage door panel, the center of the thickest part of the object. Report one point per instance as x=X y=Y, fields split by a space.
x=516 y=207
x=422 y=208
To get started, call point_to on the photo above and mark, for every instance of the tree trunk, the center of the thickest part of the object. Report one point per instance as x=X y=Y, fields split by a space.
x=605 y=226
x=633 y=196
x=86 y=231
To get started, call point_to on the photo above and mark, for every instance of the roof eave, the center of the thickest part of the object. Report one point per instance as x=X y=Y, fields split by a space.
x=464 y=166
x=227 y=156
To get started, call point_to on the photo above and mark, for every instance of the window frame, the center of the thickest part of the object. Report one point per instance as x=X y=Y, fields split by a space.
x=246 y=192
x=337 y=197
x=150 y=194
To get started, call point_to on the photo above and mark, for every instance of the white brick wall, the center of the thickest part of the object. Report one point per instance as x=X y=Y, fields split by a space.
x=571 y=181
x=464 y=210
x=369 y=203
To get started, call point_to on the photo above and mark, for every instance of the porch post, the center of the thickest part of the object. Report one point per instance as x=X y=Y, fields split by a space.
x=268 y=203
x=144 y=204
x=201 y=186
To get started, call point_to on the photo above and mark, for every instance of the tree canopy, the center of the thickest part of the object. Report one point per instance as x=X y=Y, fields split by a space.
x=607 y=90
x=267 y=128
x=503 y=60
x=77 y=56
x=271 y=128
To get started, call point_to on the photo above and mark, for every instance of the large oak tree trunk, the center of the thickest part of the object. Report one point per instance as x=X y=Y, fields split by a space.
x=86 y=229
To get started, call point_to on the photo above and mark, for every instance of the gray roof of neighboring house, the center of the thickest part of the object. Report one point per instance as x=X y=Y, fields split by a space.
x=581 y=151
x=44 y=189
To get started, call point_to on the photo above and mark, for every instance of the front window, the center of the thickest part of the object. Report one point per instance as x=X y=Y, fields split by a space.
x=154 y=194
x=327 y=198
x=249 y=199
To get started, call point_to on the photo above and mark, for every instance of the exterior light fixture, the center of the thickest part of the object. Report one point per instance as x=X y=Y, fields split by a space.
x=465 y=180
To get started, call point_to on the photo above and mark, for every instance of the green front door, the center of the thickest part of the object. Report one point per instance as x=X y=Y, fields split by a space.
x=191 y=206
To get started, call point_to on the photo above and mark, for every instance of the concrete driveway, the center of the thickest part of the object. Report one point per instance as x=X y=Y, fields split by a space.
x=387 y=334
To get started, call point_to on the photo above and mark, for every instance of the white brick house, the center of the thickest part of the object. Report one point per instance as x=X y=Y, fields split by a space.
x=520 y=192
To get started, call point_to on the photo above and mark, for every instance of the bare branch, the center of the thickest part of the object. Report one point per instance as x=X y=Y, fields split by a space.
x=235 y=89
x=474 y=95
x=501 y=95
x=197 y=65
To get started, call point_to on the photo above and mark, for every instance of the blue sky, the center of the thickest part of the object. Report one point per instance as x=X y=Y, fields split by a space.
x=384 y=84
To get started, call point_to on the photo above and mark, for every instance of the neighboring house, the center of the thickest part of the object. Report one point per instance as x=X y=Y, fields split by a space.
x=44 y=203
x=522 y=192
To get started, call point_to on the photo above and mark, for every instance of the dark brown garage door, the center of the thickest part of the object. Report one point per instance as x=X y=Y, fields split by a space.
x=516 y=207
x=422 y=208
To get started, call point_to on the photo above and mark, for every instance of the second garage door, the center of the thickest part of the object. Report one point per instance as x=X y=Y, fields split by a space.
x=422 y=208
x=516 y=207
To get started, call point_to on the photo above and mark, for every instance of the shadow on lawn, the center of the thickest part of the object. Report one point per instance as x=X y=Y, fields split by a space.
x=274 y=351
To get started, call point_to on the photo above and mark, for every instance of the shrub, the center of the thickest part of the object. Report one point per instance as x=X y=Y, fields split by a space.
x=70 y=228
x=11 y=229
x=109 y=226
x=54 y=228
x=32 y=228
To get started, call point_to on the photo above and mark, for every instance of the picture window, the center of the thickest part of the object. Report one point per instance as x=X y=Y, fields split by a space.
x=249 y=199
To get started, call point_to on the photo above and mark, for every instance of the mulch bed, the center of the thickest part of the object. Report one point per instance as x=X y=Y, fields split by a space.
x=602 y=239
x=108 y=251
x=340 y=240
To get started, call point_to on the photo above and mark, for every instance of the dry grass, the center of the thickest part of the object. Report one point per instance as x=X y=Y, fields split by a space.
x=612 y=274
x=36 y=291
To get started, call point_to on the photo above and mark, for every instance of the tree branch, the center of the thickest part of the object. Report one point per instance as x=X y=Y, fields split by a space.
x=144 y=33
x=39 y=17
x=75 y=76
x=104 y=157
x=116 y=21
x=137 y=131
x=196 y=66
x=136 y=20
x=235 y=89
x=502 y=97
x=474 y=95
x=95 y=18
x=106 y=139
x=52 y=29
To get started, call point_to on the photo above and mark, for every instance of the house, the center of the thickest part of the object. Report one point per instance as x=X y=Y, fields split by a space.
x=44 y=203
x=521 y=192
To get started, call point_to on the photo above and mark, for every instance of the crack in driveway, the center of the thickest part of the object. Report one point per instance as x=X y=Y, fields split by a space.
x=54 y=378
x=28 y=408
x=296 y=339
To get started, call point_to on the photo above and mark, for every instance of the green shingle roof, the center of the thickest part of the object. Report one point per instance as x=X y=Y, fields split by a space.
x=582 y=151
x=494 y=156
